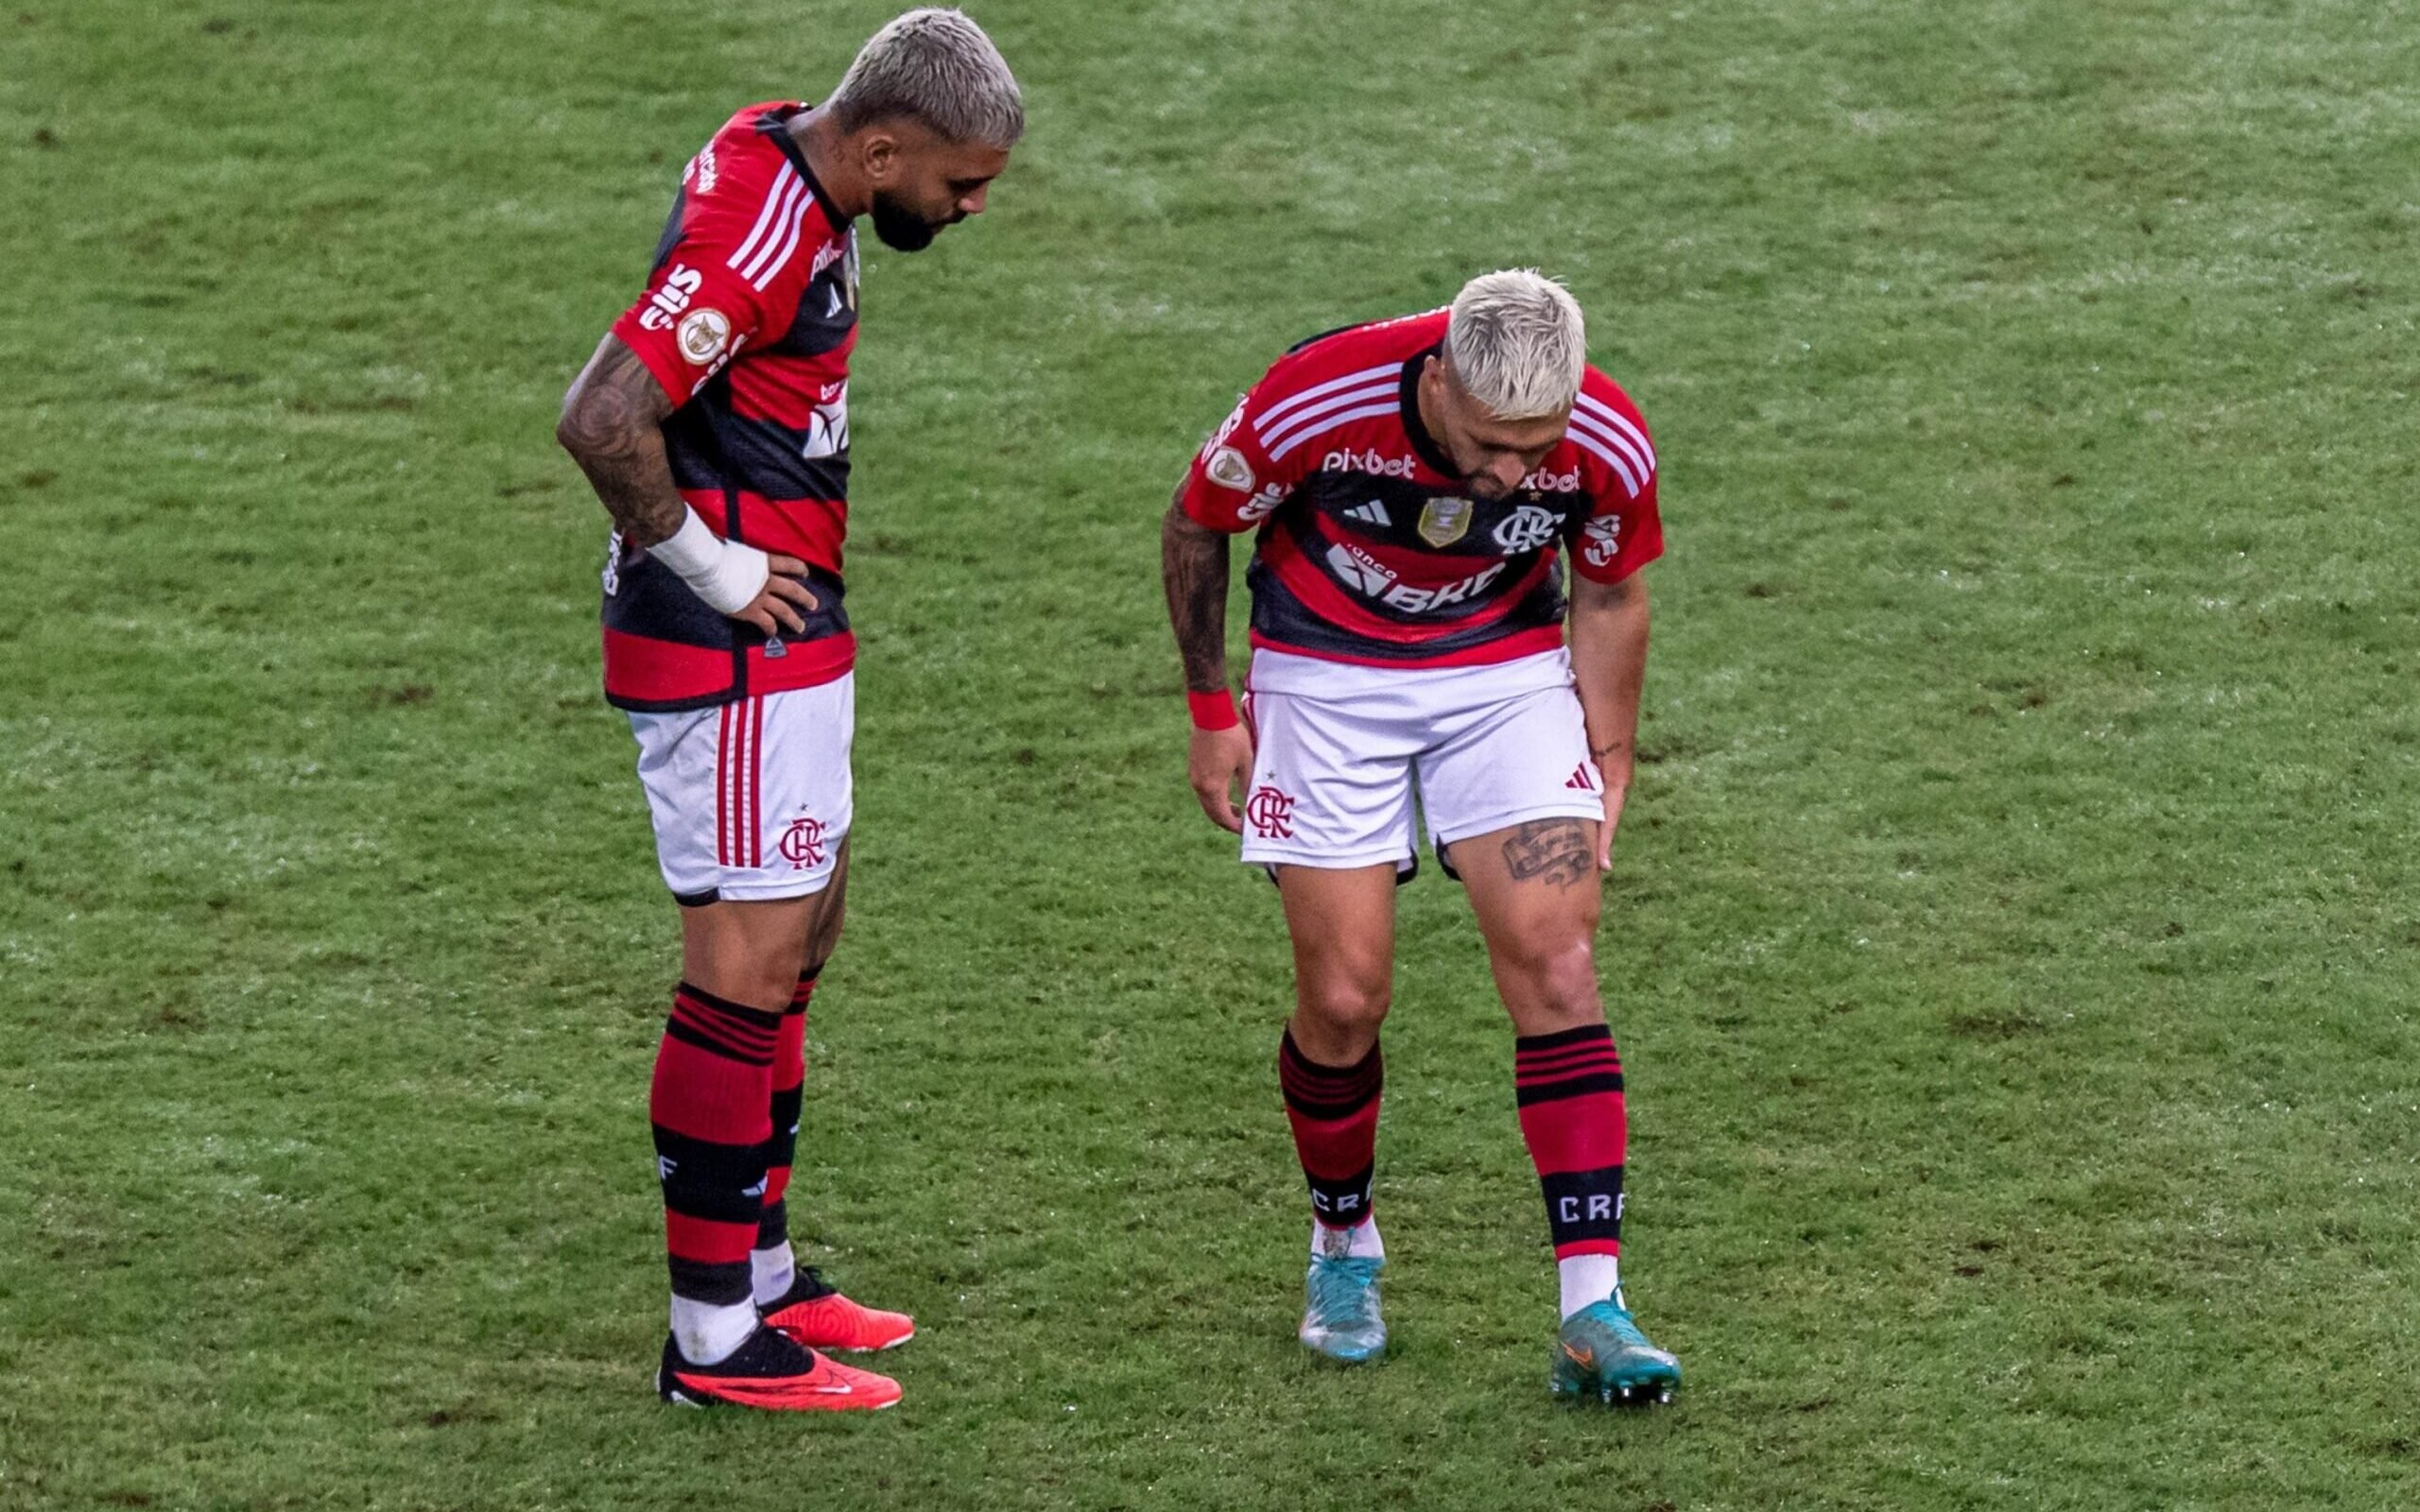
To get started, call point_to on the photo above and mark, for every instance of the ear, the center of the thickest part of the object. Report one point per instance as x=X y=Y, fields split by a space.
x=878 y=154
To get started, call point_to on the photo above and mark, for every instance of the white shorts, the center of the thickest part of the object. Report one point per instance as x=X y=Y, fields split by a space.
x=1338 y=748
x=751 y=799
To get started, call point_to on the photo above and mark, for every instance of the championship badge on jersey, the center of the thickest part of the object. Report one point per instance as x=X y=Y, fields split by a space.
x=1444 y=519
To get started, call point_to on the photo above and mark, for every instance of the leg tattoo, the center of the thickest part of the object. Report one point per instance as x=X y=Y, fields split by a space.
x=1555 y=851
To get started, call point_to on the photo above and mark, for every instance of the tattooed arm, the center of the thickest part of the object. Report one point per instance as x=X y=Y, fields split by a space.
x=610 y=426
x=1609 y=664
x=1193 y=569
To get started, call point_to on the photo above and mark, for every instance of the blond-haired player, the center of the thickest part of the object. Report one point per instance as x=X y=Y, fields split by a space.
x=1418 y=487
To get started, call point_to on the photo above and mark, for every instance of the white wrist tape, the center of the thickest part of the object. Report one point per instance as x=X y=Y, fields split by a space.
x=728 y=575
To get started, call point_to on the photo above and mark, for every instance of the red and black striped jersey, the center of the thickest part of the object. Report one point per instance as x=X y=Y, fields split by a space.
x=748 y=318
x=1370 y=553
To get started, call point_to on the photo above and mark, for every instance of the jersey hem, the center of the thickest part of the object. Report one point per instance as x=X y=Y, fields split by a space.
x=731 y=694
x=1534 y=642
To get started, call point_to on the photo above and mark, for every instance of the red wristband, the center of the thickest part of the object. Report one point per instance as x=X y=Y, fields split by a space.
x=1212 y=710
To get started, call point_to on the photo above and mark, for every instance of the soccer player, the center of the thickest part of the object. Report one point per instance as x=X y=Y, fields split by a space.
x=1415 y=484
x=714 y=423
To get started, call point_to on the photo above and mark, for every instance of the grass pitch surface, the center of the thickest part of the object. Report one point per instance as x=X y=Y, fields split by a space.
x=2014 y=938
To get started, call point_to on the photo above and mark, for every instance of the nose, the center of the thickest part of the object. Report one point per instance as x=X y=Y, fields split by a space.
x=1506 y=472
x=973 y=204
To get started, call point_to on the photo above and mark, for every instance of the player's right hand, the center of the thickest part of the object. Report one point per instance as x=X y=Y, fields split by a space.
x=1219 y=763
x=784 y=602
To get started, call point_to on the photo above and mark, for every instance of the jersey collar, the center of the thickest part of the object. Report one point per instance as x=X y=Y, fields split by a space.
x=1423 y=444
x=774 y=124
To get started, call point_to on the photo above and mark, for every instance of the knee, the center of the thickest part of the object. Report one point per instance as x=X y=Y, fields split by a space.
x=758 y=974
x=1560 y=977
x=767 y=987
x=1346 y=1008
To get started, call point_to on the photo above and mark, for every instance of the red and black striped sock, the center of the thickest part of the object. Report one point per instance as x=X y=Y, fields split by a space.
x=710 y=1104
x=789 y=1086
x=1569 y=1088
x=1334 y=1111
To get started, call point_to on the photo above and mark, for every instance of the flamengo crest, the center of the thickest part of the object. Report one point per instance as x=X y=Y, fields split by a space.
x=1527 y=528
x=802 y=844
x=1271 y=814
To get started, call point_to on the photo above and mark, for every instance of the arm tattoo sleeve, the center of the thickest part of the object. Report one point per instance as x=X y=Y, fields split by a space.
x=1553 y=850
x=609 y=426
x=1193 y=569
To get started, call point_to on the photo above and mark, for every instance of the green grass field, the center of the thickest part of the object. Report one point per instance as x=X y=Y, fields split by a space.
x=2014 y=937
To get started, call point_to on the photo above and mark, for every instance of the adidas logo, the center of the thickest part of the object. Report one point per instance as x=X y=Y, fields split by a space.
x=1582 y=779
x=1372 y=513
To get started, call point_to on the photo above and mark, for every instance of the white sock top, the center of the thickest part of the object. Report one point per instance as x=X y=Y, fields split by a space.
x=1360 y=1242
x=708 y=1333
x=1588 y=1279
x=771 y=1272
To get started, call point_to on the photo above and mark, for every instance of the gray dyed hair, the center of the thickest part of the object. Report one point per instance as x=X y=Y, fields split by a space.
x=935 y=66
x=1517 y=341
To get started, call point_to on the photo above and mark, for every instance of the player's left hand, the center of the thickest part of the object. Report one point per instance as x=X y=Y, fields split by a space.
x=1616 y=779
x=780 y=604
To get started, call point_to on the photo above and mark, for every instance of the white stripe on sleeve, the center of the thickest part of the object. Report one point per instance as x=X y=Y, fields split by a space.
x=1319 y=415
x=1614 y=422
x=1269 y=417
x=774 y=193
x=783 y=236
x=1335 y=423
x=1612 y=459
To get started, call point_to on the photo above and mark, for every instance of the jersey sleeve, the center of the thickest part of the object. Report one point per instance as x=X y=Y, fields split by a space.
x=716 y=278
x=1234 y=484
x=1623 y=531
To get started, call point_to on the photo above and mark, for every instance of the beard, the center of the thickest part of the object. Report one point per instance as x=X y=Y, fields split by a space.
x=901 y=229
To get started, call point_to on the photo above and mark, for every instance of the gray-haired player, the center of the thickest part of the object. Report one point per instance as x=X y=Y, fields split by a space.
x=714 y=423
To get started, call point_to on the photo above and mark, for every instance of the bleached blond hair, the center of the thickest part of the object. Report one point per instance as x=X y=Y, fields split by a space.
x=1517 y=341
x=934 y=66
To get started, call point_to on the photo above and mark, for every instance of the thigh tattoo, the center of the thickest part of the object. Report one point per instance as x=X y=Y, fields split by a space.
x=1554 y=849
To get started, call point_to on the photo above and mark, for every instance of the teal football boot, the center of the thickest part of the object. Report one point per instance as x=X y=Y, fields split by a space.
x=1341 y=1308
x=1601 y=1353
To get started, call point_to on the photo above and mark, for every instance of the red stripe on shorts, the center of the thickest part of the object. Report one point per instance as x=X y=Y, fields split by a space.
x=757 y=782
x=723 y=789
